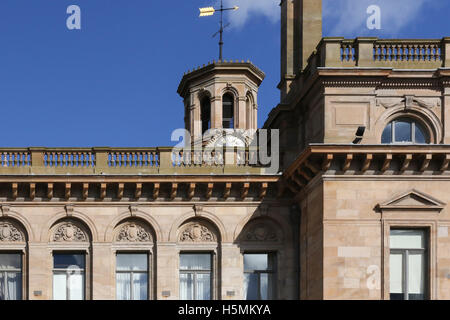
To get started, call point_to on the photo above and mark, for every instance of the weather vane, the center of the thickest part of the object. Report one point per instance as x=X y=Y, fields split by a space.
x=209 y=11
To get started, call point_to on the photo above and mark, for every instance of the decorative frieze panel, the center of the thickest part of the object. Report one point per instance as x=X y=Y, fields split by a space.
x=261 y=232
x=197 y=232
x=133 y=232
x=10 y=233
x=69 y=232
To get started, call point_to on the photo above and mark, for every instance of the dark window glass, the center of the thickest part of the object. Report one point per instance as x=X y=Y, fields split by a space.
x=420 y=134
x=387 y=134
x=403 y=131
x=64 y=261
x=206 y=114
x=228 y=111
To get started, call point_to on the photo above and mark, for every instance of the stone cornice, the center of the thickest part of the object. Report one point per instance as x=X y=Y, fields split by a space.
x=375 y=161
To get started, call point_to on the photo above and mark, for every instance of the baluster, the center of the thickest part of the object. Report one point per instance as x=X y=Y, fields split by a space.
x=118 y=164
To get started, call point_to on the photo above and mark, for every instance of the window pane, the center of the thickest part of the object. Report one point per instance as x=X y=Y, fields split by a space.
x=195 y=261
x=420 y=134
x=186 y=286
x=251 y=286
x=266 y=286
x=10 y=261
x=256 y=262
x=76 y=286
x=123 y=286
x=64 y=261
x=416 y=276
x=140 y=286
x=132 y=262
x=386 y=137
x=59 y=287
x=403 y=131
x=407 y=239
x=203 y=287
x=396 y=276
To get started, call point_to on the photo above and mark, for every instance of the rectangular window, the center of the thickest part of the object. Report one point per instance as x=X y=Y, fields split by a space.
x=69 y=276
x=259 y=276
x=132 y=276
x=195 y=276
x=10 y=276
x=408 y=264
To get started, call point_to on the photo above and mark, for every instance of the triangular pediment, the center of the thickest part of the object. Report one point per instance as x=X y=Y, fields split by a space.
x=412 y=200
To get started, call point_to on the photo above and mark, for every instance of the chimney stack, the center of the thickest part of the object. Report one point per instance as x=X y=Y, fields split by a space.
x=301 y=32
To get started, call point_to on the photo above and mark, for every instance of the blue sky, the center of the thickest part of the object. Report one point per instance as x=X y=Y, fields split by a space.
x=114 y=82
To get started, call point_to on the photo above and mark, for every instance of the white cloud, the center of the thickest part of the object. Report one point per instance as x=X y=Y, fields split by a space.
x=247 y=8
x=348 y=17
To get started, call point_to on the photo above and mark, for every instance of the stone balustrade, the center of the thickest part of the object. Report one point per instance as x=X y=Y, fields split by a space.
x=128 y=161
x=376 y=53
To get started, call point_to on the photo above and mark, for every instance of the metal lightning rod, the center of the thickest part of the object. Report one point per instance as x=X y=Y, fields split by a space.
x=209 y=11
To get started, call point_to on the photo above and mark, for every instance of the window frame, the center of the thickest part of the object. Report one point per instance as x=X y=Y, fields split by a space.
x=272 y=256
x=64 y=271
x=20 y=271
x=405 y=262
x=232 y=105
x=413 y=123
x=148 y=272
x=195 y=272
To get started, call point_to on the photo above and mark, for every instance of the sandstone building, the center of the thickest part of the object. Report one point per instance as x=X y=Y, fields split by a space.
x=357 y=210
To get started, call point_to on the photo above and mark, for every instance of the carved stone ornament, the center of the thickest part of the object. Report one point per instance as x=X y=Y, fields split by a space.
x=196 y=232
x=69 y=232
x=133 y=232
x=9 y=233
x=261 y=232
x=408 y=102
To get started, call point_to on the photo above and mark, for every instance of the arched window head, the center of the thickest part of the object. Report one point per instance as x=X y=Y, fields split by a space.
x=405 y=130
x=228 y=111
x=206 y=114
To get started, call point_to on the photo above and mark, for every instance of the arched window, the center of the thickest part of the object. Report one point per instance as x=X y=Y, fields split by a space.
x=228 y=111
x=404 y=130
x=206 y=114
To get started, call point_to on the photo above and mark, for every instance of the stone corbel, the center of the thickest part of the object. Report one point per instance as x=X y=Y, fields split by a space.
x=244 y=190
x=263 y=190
x=15 y=190
x=156 y=191
x=32 y=191
x=138 y=192
x=120 y=188
x=173 y=191
x=227 y=191
x=102 y=191
x=209 y=190
x=85 y=191
x=191 y=191
x=68 y=191
x=50 y=191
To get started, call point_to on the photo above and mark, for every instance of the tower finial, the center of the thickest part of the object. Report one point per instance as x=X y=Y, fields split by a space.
x=209 y=11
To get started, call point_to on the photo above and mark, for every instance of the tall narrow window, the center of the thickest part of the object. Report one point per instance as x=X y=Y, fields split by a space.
x=408 y=264
x=10 y=276
x=132 y=276
x=259 y=272
x=195 y=276
x=69 y=276
x=228 y=111
x=206 y=114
